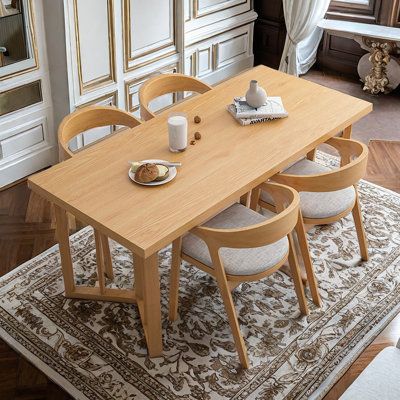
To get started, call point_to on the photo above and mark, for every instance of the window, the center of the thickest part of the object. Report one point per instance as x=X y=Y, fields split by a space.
x=356 y=10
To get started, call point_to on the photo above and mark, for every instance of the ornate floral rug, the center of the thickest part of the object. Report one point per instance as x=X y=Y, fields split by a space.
x=97 y=350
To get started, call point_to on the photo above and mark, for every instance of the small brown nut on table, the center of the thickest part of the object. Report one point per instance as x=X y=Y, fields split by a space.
x=192 y=142
x=146 y=173
x=197 y=119
x=197 y=135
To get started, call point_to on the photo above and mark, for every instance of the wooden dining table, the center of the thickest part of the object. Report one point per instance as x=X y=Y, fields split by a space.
x=226 y=163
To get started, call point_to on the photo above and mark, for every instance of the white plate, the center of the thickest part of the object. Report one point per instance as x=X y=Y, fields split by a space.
x=172 y=174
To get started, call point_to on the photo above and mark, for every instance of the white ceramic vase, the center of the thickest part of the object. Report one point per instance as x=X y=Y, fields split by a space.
x=256 y=96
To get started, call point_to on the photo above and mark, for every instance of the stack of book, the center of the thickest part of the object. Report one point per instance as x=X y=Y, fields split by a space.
x=247 y=115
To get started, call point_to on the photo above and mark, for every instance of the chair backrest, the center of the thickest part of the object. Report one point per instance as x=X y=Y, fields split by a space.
x=88 y=118
x=167 y=83
x=269 y=231
x=354 y=158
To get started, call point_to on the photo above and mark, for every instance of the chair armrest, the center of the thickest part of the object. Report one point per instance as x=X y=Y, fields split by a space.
x=341 y=178
x=261 y=234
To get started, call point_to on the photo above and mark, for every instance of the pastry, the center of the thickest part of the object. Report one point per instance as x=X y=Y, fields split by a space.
x=146 y=173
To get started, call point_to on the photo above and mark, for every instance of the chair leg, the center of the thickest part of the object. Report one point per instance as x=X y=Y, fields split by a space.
x=245 y=199
x=233 y=285
x=99 y=261
x=298 y=284
x=174 y=279
x=255 y=196
x=362 y=240
x=108 y=266
x=103 y=253
x=311 y=155
x=312 y=280
x=230 y=310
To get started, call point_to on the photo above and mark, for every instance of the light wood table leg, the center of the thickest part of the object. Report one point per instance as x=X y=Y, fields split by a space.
x=174 y=279
x=147 y=285
x=62 y=232
x=73 y=291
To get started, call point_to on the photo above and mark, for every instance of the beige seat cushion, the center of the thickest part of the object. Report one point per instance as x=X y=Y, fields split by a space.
x=238 y=261
x=318 y=204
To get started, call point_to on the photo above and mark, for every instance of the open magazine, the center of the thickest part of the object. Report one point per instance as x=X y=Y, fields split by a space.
x=247 y=115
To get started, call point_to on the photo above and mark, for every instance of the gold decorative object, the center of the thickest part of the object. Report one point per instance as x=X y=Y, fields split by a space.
x=377 y=81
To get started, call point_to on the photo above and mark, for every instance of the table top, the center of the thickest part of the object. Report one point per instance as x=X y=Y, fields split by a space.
x=350 y=29
x=226 y=163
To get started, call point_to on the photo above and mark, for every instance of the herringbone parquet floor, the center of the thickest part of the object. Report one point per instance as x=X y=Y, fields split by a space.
x=26 y=230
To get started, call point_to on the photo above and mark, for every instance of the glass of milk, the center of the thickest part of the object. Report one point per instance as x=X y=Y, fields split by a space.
x=177 y=132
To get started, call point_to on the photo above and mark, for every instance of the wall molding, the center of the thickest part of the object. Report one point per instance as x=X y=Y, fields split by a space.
x=100 y=81
x=153 y=53
x=197 y=13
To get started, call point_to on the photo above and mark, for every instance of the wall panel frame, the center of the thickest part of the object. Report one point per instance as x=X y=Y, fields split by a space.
x=165 y=47
x=104 y=79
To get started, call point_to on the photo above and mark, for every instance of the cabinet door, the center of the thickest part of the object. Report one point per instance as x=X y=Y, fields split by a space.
x=204 y=60
x=204 y=7
x=149 y=31
x=229 y=50
x=201 y=13
x=27 y=135
x=210 y=56
x=21 y=141
x=93 y=41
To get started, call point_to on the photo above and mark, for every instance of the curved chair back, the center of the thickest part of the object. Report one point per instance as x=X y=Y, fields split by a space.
x=354 y=157
x=88 y=118
x=263 y=233
x=167 y=83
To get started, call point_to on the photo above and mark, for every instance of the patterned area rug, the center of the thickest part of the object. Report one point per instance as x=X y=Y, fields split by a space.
x=97 y=350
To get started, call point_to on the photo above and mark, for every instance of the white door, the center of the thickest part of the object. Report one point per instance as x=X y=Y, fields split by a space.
x=27 y=136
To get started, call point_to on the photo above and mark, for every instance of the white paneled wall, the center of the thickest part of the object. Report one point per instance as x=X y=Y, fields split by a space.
x=101 y=51
x=27 y=135
x=115 y=45
x=94 y=38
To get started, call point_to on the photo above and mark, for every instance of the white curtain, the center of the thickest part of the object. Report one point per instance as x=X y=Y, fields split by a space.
x=303 y=35
x=3 y=11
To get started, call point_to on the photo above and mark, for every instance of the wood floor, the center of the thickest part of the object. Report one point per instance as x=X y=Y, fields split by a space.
x=26 y=230
x=384 y=170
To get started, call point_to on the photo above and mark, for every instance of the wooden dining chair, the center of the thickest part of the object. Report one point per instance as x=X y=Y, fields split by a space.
x=328 y=195
x=88 y=118
x=240 y=245
x=73 y=125
x=167 y=83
